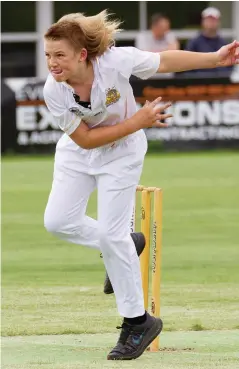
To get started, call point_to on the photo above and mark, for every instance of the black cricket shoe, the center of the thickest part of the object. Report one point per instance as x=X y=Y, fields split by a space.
x=124 y=334
x=139 y=337
x=139 y=241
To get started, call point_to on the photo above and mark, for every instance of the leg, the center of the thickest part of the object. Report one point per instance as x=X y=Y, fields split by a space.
x=139 y=242
x=65 y=212
x=116 y=192
x=115 y=205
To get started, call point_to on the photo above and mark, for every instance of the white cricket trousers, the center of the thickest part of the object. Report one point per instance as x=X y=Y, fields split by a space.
x=115 y=171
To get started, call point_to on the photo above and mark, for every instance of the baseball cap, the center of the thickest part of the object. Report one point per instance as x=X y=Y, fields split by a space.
x=211 y=12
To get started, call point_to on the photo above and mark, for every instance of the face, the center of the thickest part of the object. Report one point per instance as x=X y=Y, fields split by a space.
x=210 y=24
x=63 y=61
x=160 y=28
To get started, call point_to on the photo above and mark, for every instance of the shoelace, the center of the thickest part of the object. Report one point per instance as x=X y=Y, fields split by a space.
x=125 y=331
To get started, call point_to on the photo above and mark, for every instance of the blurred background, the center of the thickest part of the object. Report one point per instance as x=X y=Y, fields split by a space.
x=206 y=106
x=22 y=32
x=51 y=287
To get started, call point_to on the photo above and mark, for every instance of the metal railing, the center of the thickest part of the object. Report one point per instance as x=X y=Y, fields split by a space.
x=124 y=35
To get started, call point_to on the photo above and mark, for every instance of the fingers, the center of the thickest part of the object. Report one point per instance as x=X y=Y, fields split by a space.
x=156 y=114
x=155 y=102
x=159 y=125
x=236 y=43
x=233 y=45
x=163 y=116
x=162 y=108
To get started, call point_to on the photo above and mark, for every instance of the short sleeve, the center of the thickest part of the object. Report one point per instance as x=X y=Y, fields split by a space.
x=132 y=61
x=67 y=119
x=144 y=63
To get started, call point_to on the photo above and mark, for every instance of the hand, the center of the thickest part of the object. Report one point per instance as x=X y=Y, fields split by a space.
x=228 y=55
x=150 y=115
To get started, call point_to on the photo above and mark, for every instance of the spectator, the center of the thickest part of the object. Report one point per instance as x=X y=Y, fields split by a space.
x=160 y=38
x=209 y=40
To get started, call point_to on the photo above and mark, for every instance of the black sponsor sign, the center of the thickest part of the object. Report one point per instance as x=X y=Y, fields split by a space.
x=205 y=114
x=205 y=111
x=8 y=119
x=36 y=129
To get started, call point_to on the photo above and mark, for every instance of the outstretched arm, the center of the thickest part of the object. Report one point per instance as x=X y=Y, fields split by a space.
x=180 y=61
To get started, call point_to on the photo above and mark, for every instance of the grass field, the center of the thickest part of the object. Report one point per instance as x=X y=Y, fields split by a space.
x=54 y=314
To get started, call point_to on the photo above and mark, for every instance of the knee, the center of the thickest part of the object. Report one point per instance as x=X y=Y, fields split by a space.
x=111 y=242
x=105 y=236
x=53 y=224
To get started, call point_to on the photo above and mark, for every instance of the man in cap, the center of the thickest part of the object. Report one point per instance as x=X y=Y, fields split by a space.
x=209 y=40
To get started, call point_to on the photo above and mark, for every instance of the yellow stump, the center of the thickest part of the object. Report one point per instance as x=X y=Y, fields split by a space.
x=156 y=262
x=144 y=258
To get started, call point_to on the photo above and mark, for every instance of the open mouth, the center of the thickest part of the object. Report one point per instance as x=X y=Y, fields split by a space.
x=56 y=72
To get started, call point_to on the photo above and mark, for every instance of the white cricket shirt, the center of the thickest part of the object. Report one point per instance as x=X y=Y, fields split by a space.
x=112 y=98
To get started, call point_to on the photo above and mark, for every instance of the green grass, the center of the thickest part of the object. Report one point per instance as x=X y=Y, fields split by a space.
x=53 y=288
x=181 y=350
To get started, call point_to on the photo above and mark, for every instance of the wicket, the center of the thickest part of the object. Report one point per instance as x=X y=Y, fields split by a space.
x=146 y=200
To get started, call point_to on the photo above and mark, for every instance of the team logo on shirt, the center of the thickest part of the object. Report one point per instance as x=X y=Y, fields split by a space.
x=112 y=96
x=76 y=112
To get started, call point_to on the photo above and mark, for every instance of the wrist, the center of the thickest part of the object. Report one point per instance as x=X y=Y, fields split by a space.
x=215 y=58
x=134 y=123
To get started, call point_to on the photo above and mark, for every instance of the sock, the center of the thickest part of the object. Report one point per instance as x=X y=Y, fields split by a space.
x=137 y=320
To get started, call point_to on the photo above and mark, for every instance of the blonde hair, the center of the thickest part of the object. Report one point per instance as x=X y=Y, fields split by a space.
x=95 y=34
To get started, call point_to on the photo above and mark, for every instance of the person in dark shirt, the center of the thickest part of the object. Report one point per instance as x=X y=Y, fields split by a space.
x=209 y=40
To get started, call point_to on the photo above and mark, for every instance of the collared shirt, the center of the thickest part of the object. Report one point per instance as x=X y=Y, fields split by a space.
x=146 y=41
x=112 y=98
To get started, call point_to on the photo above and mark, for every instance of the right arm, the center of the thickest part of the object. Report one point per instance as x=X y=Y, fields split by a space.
x=146 y=117
x=91 y=138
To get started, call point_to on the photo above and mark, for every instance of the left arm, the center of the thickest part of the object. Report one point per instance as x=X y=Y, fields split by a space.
x=180 y=61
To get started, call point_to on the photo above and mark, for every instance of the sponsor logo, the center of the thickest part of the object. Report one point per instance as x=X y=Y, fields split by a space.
x=99 y=112
x=137 y=340
x=76 y=112
x=112 y=96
